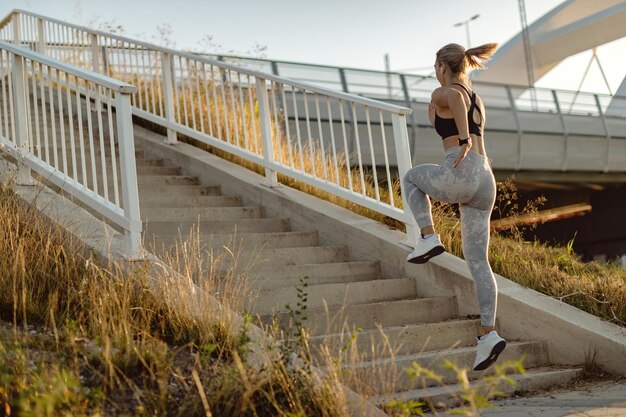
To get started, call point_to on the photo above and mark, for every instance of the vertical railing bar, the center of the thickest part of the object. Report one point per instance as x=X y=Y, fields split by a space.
x=190 y=94
x=607 y=133
x=243 y=113
x=27 y=106
x=217 y=110
x=518 y=126
x=384 y=139
x=175 y=88
x=287 y=134
x=226 y=126
x=36 y=108
x=4 y=100
x=105 y=186
x=71 y=126
x=358 y=147
x=565 y=132
x=52 y=119
x=308 y=130
x=158 y=86
x=200 y=106
x=332 y=139
x=345 y=143
x=145 y=76
x=233 y=106
x=295 y=107
x=369 y=134
x=11 y=109
x=138 y=79
x=55 y=34
x=183 y=86
x=61 y=122
x=276 y=126
x=153 y=76
x=44 y=114
x=4 y=107
x=81 y=127
x=112 y=136
x=319 y=127
x=209 y=112
x=252 y=116
x=92 y=153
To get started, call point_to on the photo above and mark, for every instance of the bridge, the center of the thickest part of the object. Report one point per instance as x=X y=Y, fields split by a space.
x=74 y=101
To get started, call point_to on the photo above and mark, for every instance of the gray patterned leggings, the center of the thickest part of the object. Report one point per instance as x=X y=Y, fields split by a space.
x=472 y=185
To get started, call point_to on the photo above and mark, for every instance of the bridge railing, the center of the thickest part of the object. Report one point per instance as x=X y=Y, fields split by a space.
x=410 y=87
x=73 y=128
x=302 y=131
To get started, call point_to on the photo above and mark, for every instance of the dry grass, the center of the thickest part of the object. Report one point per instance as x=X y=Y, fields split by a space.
x=86 y=340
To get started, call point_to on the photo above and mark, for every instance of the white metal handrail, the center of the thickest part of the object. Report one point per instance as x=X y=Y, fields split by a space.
x=73 y=127
x=287 y=127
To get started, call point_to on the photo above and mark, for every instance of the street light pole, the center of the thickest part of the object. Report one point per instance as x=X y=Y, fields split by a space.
x=466 y=24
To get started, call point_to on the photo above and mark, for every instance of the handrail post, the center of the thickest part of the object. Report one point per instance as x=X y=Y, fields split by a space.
x=17 y=39
x=403 y=159
x=407 y=102
x=607 y=151
x=21 y=123
x=128 y=170
x=565 y=133
x=41 y=37
x=266 y=129
x=509 y=93
x=95 y=54
x=168 y=96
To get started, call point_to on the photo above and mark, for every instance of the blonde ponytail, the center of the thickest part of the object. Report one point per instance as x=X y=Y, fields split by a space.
x=478 y=56
x=460 y=61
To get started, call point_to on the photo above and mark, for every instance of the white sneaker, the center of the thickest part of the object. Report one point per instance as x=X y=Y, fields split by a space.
x=426 y=249
x=489 y=348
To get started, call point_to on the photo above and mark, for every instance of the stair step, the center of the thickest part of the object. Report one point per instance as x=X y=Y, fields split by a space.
x=243 y=241
x=158 y=180
x=371 y=315
x=409 y=339
x=217 y=226
x=185 y=214
x=535 y=379
x=153 y=200
x=335 y=294
x=289 y=275
x=179 y=191
x=381 y=371
x=304 y=255
x=157 y=170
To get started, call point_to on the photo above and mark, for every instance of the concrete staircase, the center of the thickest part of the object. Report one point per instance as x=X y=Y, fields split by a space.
x=342 y=294
x=399 y=326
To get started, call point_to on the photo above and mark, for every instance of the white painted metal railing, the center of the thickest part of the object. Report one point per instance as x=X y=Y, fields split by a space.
x=284 y=126
x=73 y=128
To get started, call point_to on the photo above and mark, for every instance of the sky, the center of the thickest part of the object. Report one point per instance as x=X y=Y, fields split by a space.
x=351 y=33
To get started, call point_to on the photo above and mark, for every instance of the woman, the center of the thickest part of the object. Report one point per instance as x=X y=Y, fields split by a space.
x=465 y=177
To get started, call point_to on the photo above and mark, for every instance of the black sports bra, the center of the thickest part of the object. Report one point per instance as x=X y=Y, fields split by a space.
x=446 y=127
